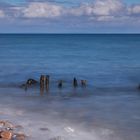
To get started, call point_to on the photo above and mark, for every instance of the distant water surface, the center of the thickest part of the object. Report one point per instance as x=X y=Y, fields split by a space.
x=103 y=60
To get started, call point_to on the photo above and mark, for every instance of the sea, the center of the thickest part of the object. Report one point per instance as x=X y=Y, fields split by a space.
x=108 y=108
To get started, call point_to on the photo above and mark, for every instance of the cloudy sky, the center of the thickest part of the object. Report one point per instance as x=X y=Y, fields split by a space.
x=69 y=16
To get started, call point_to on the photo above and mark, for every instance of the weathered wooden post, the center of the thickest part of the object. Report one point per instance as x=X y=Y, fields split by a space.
x=47 y=81
x=139 y=87
x=60 y=84
x=42 y=83
x=83 y=83
x=75 y=83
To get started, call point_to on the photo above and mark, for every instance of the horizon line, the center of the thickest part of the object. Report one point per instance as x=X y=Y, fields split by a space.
x=73 y=33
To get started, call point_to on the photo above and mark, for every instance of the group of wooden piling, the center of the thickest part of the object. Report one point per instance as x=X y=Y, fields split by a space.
x=45 y=83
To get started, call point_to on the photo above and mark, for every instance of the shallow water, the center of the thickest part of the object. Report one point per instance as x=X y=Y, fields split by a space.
x=107 y=109
x=99 y=116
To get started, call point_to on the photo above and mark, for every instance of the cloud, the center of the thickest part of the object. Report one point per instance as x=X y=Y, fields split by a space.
x=2 y=14
x=42 y=10
x=51 y=10
x=135 y=9
x=98 y=10
x=108 y=7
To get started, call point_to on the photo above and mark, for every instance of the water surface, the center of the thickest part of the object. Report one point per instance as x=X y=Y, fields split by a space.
x=108 y=109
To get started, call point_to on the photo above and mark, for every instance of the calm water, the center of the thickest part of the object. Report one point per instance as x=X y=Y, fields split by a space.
x=108 y=109
x=104 y=60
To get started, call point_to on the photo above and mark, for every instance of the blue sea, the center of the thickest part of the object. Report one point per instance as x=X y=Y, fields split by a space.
x=103 y=60
x=107 y=109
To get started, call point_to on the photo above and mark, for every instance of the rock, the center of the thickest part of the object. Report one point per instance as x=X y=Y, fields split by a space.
x=31 y=82
x=7 y=131
x=20 y=137
x=2 y=139
x=2 y=123
x=44 y=129
x=6 y=135
x=7 y=125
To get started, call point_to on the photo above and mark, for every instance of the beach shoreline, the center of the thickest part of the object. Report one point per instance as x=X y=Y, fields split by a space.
x=97 y=116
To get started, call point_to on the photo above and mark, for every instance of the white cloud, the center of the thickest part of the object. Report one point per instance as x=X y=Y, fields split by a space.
x=49 y=10
x=99 y=10
x=135 y=9
x=42 y=10
x=105 y=18
x=108 y=7
x=84 y=9
x=2 y=14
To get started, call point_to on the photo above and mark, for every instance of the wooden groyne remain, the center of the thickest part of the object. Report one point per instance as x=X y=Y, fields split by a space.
x=60 y=84
x=47 y=82
x=75 y=83
x=83 y=83
x=44 y=83
x=139 y=86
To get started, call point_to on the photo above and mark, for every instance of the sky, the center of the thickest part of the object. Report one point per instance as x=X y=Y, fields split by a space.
x=69 y=16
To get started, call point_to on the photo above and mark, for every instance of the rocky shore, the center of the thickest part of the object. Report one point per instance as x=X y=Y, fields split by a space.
x=9 y=131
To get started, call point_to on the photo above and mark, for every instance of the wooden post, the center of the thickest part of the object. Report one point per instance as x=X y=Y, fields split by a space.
x=60 y=84
x=42 y=82
x=75 y=83
x=83 y=83
x=47 y=81
x=138 y=87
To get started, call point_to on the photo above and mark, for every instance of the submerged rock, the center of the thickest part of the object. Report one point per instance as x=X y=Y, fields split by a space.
x=31 y=82
x=44 y=129
x=20 y=137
